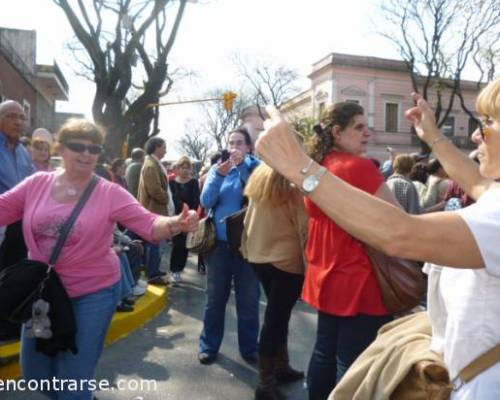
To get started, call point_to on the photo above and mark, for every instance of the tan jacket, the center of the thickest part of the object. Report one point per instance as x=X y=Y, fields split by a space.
x=152 y=192
x=378 y=371
x=276 y=235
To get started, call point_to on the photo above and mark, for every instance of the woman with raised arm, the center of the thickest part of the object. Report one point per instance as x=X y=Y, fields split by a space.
x=464 y=240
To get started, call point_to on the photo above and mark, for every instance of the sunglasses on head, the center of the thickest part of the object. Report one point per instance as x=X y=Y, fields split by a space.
x=81 y=147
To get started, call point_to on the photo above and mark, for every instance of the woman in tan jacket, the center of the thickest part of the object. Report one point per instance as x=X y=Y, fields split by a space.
x=273 y=242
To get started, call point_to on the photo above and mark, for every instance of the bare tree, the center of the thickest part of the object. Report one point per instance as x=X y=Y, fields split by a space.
x=270 y=83
x=125 y=40
x=195 y=142
x=438 y=40
x=217 y=121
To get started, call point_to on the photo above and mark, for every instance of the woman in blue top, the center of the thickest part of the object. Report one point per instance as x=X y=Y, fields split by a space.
x=223 y=194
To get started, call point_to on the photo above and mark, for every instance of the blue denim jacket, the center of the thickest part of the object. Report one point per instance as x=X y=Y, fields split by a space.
x=14 y=165
x=224 y=194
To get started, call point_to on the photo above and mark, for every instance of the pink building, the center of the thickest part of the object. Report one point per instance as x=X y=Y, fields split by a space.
x=383 y=88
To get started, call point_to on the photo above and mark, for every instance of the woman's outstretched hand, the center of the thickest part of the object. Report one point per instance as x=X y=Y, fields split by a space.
x=422 y=118
x=279 y=147
x=187 y=220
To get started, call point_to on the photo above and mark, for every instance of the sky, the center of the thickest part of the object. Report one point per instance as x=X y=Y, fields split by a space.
x=290 y=32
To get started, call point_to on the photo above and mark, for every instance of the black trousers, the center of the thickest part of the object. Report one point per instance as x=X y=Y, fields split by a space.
x=179 y=255
x=13 y=248
x=282 y=290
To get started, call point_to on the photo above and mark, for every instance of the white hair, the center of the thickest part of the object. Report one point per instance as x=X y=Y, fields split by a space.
x=6 y=105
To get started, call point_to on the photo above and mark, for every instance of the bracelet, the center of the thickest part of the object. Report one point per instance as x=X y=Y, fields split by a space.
x=306 y=169
x=437 y=140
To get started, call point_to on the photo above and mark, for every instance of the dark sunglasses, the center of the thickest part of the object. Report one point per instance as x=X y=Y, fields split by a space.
x=81 y=147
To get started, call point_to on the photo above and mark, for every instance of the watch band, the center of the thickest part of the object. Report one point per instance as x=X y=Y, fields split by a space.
x=311 y=182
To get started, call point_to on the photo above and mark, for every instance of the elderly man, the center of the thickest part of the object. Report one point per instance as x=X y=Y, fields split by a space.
x=133 y=172
x=16 y=165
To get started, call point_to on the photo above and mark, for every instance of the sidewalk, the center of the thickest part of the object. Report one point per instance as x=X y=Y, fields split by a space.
x=165 y=351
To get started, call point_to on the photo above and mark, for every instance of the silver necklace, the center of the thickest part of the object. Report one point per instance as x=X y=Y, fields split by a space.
x=70 y=191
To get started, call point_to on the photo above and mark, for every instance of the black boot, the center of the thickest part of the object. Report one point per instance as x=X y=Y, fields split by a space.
x=266 y=388
x=283 y=372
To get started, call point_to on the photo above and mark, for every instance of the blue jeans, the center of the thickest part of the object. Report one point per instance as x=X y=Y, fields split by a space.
x=153 y=260
x=93 y=314
x=223 y=267
x=127 y=281
x=339 y=341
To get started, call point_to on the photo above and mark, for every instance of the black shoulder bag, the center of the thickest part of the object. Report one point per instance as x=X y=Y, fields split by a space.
x=235 y=225
x=23 y=283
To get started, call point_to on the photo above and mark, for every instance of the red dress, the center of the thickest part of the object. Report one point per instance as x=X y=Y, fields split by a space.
x=340 y=279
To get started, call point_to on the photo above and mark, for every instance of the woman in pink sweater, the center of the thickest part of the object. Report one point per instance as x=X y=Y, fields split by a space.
x=88 y=266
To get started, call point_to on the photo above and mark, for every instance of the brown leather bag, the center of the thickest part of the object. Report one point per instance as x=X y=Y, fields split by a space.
x=429 y=381
x=401 y=281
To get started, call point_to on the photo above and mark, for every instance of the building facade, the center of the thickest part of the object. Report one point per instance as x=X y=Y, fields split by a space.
x=35 y=87
x=382 y=87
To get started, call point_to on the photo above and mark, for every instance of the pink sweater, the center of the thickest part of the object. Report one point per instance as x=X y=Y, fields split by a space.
x=87 y=263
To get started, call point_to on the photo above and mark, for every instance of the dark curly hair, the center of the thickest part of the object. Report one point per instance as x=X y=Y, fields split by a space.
x=340 y=114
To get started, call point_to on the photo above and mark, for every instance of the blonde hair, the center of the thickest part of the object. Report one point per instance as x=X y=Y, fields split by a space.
x=488 y=101
x=184 y=161
x=265 y=184
x=403 y=163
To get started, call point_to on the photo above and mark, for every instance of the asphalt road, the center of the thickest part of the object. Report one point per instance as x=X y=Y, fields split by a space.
x=164 y=355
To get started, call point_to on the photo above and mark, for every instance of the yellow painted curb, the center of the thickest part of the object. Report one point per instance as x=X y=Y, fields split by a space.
x=146 y=308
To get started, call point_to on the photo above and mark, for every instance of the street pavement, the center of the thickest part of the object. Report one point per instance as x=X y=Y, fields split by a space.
x=165 y=351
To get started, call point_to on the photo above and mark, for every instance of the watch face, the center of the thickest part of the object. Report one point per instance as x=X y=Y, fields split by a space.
x=309 y=184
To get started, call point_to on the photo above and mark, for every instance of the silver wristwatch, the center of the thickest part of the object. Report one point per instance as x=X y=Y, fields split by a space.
x=310 y=183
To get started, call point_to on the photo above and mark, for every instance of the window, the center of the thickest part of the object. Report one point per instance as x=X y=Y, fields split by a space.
x=391 y=117
x=321 y=109
x=448 y=127
x=473 y=124
x=352 y=101
x=27 y=111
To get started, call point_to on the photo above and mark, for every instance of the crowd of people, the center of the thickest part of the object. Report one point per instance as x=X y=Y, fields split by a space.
x=311 y=210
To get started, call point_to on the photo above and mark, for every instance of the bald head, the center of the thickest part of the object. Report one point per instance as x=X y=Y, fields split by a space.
x=137 y=154
x=7 y=105
x=12 y=120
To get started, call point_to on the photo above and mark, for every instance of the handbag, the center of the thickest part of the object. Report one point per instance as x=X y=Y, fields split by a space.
x=399 y=365
x=202 y=240
x=23 y=283
x=235 y=225
x=427 y=381
x=234 y=229
x=401 y=281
